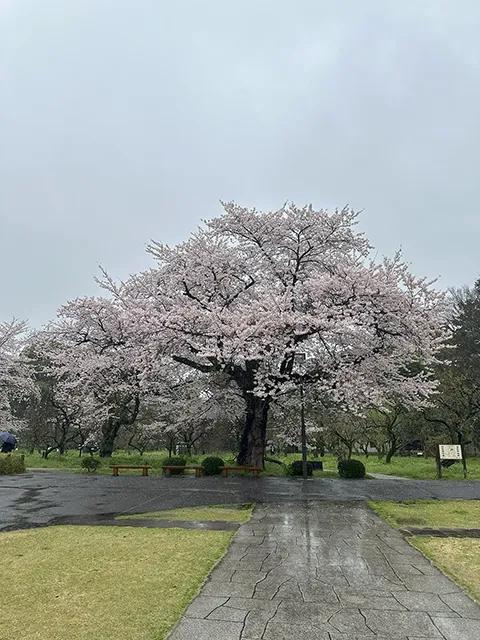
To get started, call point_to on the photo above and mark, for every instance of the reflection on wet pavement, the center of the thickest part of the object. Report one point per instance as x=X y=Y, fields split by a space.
x=326 y=571
x=35 y=499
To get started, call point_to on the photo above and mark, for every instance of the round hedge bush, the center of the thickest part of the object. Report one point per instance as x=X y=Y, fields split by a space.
x=90 y=464
x=351 y=469
x=175 y=461
x=211 y=465
x=11 y=463
x=295 y=468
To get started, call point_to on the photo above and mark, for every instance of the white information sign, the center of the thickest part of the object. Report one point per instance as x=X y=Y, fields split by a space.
x=450 y=451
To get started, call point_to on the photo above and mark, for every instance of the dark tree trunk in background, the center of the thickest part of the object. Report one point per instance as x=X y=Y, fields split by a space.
x=392 y=450
x=127 y=413
x=109 y=434
x=254 y=436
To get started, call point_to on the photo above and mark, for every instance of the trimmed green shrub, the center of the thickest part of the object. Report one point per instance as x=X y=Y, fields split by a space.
x=90 y=464
x=11 y=464
x=174 y=461
x=295 y=468
x=351 y=469
x=211 y=465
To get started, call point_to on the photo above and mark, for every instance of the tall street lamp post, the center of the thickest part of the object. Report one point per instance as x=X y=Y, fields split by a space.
x=301 y=358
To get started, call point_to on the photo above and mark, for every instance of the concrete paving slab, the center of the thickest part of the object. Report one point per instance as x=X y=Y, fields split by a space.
x=454 y=629
x=377 y=586
x=192 y=629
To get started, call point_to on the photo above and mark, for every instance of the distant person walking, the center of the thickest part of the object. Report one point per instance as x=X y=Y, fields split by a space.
x=8 y=442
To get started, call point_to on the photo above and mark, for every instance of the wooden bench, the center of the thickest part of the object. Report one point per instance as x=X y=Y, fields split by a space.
x=255 y=470
x=144 y=468
x=198 y=469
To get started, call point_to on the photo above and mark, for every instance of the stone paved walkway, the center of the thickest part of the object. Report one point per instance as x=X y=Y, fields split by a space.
x=326 y=571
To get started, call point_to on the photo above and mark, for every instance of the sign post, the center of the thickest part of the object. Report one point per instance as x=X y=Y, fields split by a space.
x=450 y=452
x=439 y=465
x=300 y=358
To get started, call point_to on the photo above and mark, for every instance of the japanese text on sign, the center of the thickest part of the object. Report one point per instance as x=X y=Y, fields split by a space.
x=450 y=452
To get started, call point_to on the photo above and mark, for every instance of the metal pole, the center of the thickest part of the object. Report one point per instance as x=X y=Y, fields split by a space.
x=304 y=433
x=439 y=464
x=464 y=462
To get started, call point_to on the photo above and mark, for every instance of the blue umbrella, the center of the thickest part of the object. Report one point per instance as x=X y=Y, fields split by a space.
x=9 y=438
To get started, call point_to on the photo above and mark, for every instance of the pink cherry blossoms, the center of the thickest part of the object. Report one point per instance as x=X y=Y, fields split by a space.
x=249 y=290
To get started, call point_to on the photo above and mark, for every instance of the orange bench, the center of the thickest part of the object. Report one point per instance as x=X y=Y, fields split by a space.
x=254 y=470
x=198 y=469
x=144 y=468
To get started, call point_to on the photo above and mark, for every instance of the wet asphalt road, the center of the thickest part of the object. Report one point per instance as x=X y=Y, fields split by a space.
x=40 y=498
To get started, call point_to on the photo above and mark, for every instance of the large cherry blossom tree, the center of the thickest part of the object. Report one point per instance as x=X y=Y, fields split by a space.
x=97 y=380
x=250 y=290
x=194 y=405
x=96 y=367
x=58 y=417
x=15 y=377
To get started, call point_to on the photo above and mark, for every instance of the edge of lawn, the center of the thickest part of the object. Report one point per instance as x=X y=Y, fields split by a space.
x=416 y=543
x=412 y=540
x=190 y=513
x=106 y=471
x=205 y=580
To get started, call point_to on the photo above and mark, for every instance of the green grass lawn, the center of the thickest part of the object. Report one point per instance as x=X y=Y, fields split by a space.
x=103 y=583
x=408 y=467
x=71 y=461
x=458 y=558
x=430 y=513
x=420 y=468
x=229 y=513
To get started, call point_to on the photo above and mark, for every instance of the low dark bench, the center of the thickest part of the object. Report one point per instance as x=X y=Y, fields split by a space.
x=198 y=469
x=143 y=467
x=255 y=470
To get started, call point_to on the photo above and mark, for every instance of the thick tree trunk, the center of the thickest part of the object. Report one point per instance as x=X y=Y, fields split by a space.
x=109 y=434
x=254 y=436
x=365 y=450
x=392 y=450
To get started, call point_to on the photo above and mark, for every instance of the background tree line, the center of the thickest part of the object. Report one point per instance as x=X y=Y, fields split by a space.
x=201 y=351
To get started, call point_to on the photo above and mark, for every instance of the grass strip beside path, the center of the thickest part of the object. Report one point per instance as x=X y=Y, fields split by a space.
x=458 y=558
x=102 y=582
x=461 y=514
x=225 y=513
x=407 y=467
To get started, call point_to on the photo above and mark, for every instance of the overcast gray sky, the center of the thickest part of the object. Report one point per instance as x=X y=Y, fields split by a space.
x=125 y=120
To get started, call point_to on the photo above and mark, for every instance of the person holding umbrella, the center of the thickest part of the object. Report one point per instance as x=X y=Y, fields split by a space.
x=8 y=442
